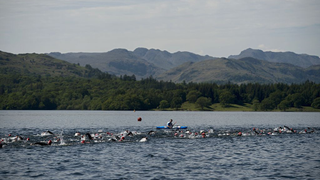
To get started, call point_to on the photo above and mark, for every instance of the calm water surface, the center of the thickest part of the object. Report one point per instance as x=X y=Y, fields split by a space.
x=167 y=154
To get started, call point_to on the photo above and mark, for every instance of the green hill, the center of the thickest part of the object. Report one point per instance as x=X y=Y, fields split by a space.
x=240 y=71
x=41 y=64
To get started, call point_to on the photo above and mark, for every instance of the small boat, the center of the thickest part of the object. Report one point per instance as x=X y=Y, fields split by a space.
x=174 y=127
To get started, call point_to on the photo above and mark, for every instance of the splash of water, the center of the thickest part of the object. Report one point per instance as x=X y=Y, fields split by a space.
x=61 y=139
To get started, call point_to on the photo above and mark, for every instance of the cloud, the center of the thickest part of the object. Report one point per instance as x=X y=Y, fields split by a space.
x=214 y=27
x=265 y=48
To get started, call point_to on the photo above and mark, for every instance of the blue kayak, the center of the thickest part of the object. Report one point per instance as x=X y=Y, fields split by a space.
x=174 y=127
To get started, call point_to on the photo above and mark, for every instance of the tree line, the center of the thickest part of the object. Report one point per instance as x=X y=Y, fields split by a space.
x=106 y=92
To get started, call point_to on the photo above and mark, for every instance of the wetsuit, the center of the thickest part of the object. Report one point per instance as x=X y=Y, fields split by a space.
x=289 y=129
x=89 y=136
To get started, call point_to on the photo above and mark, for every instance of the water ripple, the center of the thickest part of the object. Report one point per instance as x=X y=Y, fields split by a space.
x=222 y=154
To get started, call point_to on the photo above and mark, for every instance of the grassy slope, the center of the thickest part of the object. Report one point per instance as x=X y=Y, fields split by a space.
x=39 y=64
x=235 y=107
x=238 y=71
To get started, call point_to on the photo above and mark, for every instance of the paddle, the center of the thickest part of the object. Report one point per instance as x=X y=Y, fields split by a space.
x=173 y=125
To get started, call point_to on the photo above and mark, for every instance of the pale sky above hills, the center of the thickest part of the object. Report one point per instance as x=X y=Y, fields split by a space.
x=214 y=27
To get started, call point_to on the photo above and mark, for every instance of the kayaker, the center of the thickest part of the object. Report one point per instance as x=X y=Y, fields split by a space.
x=169 y=124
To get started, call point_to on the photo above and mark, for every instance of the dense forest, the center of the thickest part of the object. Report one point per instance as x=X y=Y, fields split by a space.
x=102 y=91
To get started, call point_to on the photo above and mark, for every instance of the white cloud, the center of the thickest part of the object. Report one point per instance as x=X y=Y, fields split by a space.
x=265 y=48
x=214 y=27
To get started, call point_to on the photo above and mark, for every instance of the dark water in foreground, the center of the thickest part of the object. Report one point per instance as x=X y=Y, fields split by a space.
x=222 y=154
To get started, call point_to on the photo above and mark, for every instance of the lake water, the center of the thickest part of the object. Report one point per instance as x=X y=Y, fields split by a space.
x=167 y=154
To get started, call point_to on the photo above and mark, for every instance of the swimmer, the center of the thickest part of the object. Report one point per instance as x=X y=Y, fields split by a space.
x=289 y=129
x=97 y=136
x=143 y=139
x=86 y=137
x=245 y=134
x=278 y=129
x=83 y=142
x=121 y=139
x=114 y=138
x=46 y=133
x=203 y=134
x=312 y=130
x=210 y=131
x=89 y=136
x=18 y=138
x=190 y=135
x=255 y=131
x=56 y=139
x=127 y=133
x=43 y=143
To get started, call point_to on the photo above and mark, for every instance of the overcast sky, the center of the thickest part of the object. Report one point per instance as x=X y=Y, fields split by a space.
x=214 y=27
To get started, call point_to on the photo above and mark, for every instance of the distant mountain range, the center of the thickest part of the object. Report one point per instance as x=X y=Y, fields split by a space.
x=302 y=60
x=177 y=67
x=141 y=62
x=167 y=60
x=262 y=67
x=244 y=70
